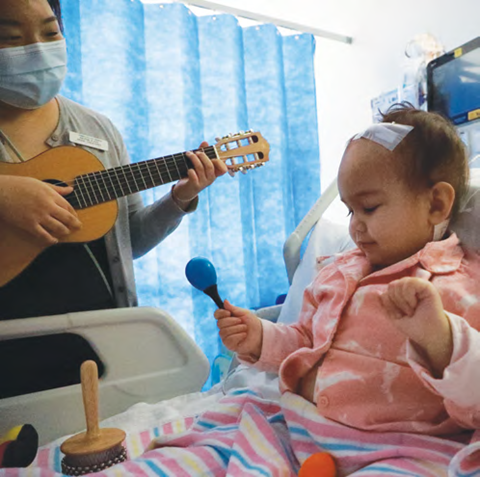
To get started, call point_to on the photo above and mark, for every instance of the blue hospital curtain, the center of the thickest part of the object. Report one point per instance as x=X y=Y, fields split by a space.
x=168 y=80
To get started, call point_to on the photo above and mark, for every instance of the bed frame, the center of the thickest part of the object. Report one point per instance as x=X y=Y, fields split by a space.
x=148 y=357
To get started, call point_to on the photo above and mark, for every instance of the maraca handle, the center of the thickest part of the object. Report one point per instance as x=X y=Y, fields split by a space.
x=212 y=292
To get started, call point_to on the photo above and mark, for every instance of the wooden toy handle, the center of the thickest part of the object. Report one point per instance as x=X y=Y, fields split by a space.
x=89 y=378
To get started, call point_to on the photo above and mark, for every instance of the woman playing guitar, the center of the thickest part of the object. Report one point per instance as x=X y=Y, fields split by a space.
x=33 y=119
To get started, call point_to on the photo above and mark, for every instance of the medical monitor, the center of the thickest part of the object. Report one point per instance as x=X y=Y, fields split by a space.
x=453 y=83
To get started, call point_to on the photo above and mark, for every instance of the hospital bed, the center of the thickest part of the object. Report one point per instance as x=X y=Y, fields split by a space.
x=155 y=376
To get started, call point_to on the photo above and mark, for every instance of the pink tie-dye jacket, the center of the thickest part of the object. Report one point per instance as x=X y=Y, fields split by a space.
x=370 y=376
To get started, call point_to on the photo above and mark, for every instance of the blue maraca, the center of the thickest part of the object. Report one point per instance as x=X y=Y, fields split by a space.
x=201 y=274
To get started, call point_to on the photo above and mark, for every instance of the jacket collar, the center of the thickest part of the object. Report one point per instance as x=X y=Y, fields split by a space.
x=440 y=257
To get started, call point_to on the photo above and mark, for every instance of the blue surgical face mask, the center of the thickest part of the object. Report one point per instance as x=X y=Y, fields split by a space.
x=32 y=75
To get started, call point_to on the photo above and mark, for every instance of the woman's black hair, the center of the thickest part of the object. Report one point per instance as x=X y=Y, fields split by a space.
x=55 y=6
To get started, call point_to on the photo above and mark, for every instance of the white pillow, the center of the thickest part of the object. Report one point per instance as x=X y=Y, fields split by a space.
x=327 y=238
x=467 y=223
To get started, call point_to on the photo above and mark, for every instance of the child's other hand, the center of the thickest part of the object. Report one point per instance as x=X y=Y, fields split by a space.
x=240 y=331
x=416 y=309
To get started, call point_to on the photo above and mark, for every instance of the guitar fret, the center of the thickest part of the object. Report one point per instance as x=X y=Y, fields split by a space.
x=132 y=174
x=155 y=163
x=147 y=165
x=99 y=188
x=176 y=167
x=95 y=188
x=168 y=172
x=91 y=187
x=86 y=192
x=85 y=189
x=101 y=174
x=111 y=176
x=145 y=175
x=77 y=188
x=185 y=161
x=139 y=170
x=119 y=184
x=110 y=188
x=123 y=171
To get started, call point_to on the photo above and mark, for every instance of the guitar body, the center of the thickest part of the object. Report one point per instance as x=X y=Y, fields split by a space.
x=61 y=164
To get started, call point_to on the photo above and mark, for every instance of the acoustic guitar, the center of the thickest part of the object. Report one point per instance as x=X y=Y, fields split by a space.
x=95 y=189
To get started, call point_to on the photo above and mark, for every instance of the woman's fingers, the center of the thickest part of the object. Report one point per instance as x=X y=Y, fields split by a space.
x=71 y=221
x=44 y=236
x=55 y=227
x=204 y=169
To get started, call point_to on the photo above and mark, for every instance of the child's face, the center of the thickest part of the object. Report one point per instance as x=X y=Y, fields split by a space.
x=388 y=220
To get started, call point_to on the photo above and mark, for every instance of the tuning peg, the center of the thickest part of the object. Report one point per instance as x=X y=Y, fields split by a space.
x=217 y=139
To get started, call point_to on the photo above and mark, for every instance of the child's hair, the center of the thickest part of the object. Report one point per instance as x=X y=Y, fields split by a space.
x=432 y=151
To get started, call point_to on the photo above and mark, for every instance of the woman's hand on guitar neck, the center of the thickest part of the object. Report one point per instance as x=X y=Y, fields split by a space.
x=203 y=174
x=37 y=207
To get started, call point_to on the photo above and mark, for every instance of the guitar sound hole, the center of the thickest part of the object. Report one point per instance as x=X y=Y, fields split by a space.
x=70 y=197
x=56 y=182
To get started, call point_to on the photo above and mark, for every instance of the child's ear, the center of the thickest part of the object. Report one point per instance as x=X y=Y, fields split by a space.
x=441 y=202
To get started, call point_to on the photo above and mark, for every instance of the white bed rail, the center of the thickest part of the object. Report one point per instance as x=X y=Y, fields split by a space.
x=148 y=357
x=293 y=244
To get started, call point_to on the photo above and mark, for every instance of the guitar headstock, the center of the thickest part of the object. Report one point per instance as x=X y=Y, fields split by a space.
x=242 y=151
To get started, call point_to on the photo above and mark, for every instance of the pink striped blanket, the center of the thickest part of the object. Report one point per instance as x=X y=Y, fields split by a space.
x=248 y=435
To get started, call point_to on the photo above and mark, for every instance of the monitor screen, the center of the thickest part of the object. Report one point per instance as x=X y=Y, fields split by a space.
x=453 y=83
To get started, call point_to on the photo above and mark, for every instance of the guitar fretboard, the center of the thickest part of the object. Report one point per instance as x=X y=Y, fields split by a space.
x=110 y=184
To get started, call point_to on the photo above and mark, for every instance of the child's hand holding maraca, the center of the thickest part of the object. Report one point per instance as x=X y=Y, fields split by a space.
x=240 y=331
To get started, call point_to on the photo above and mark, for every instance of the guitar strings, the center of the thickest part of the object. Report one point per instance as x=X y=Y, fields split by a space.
x=125 y=180
x=165 y=161
x=118 y=181
x=122 y=181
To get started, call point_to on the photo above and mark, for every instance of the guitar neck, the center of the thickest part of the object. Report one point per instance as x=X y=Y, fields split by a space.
x=110 y=184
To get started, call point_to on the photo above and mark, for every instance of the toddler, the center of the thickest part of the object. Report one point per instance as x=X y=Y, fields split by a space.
x=387 y=337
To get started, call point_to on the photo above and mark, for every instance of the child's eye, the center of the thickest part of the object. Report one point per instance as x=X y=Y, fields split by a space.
x=370 y=210
x=350 y=212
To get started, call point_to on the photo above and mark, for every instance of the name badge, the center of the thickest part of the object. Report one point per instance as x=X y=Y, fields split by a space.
x=89 y=141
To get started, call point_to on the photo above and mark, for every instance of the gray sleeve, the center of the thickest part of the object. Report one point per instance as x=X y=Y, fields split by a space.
x=149 y=225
